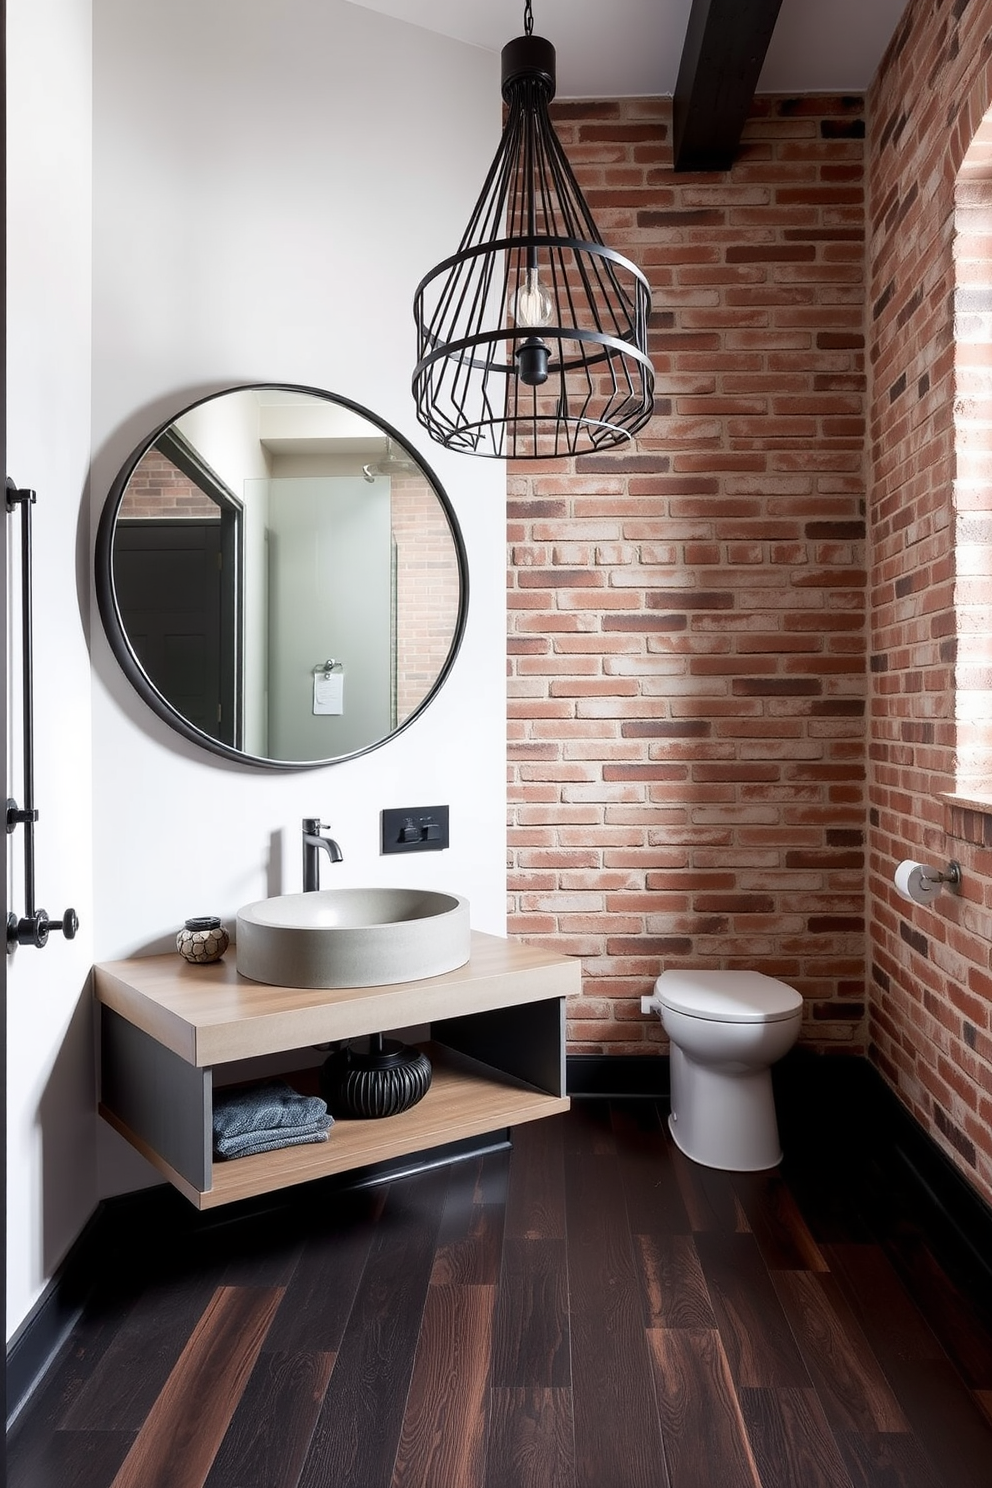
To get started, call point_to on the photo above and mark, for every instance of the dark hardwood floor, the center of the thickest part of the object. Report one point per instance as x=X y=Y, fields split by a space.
x=589 y=1310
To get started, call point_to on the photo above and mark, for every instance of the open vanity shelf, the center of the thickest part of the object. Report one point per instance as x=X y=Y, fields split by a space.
x=171 y=1031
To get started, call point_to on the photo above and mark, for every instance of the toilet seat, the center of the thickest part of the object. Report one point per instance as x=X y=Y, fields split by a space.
x=728 y=996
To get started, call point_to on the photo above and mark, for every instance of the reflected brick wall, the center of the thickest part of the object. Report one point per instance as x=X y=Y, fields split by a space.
x=157 y=489
x=427 y=591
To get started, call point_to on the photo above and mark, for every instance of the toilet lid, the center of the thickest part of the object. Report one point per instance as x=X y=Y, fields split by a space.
x=728 y=996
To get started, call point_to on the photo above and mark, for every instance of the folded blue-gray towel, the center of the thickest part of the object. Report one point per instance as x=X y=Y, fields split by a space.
x=286 y=1136
x=257 y=1118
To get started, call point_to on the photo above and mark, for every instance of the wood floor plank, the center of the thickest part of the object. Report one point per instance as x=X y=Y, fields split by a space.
x=184 y=1428
x=460 y=1204
x=485 y=1179
x=131 y=1373
x=704 y=1437
x=321 y=1293
x=778 y=1226
x=880 y=1300
x=828 y=1193
x=848 y=1378
x=266 y=1257
x=894 y=1461
x=531 y=1441
x=590 y=1128
x=530 y=1346
x=946 y=1419
x=270 y=1432
x=357 y=1433
x=674 y=1289
x=535 y=1205
x=617 y=1432
x=493 y=1183
x=791 y=1440
x=474 y=1258
x=471 y=1233
x=654 y=1197
x=442 y=1442
x=709 y=1196
x=68 y=1459
x=760 y=1346
x=47 y=1408
x=947 y=1422
x=964 y=1331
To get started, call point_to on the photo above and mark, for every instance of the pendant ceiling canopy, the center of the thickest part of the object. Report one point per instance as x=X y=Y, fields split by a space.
x=532 y=338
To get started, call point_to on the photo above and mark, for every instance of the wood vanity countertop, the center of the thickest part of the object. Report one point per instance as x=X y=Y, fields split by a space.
x=209 y=1014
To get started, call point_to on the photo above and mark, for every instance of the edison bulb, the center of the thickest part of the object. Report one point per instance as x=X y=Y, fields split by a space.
x=532 y=305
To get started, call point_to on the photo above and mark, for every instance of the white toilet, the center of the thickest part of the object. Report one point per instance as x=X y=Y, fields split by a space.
x=726 y=1029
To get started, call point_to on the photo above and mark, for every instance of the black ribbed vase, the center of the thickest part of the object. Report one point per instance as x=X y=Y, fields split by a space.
x=373 y=1077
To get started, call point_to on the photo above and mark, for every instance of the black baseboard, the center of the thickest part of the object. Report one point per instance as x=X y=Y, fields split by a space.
x=41 y=1335
x=613 y=1076
x=957 y=1212
x=836 y=1105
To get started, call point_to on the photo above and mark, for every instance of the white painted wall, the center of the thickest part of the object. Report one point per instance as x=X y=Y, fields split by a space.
x=270 y=180
x=51 y=1125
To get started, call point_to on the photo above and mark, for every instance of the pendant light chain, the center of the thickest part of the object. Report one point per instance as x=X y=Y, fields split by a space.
x=528 y=19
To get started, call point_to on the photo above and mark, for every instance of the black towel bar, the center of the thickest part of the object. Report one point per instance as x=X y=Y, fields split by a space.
x=34 y=927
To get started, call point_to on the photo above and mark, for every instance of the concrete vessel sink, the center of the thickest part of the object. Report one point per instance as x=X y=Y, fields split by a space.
x=352 y=937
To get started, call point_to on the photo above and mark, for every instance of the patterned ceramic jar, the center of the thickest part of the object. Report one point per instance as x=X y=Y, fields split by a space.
x=374 y=1077
x=202 y=940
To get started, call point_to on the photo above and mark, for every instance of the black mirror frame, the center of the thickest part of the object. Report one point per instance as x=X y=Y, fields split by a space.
x=117 y=634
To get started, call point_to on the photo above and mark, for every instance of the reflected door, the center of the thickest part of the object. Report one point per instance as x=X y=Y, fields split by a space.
x=330 y=597
x=178 y=596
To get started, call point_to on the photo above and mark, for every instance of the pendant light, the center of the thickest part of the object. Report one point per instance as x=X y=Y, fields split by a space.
x=532 y=338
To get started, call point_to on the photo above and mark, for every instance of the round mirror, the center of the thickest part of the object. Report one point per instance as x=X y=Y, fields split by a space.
x=281 y=577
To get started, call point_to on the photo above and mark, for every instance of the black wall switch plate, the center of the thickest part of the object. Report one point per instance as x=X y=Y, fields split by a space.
x=414 y=829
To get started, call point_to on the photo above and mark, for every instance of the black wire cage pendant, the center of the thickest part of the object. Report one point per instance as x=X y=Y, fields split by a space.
x=532 y=338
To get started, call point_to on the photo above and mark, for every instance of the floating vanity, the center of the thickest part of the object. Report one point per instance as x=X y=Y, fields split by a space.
x=172 y=1033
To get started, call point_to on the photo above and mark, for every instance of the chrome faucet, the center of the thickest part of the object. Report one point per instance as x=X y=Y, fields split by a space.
x=313 y=843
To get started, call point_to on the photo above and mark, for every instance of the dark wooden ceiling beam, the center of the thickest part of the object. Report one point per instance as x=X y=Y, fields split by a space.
x=725 y=46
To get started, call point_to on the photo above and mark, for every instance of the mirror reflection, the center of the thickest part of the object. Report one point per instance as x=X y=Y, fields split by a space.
x=281 y=577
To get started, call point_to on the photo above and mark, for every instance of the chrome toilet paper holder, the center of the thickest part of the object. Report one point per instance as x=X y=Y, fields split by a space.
x=921 y=884
x=951 y=875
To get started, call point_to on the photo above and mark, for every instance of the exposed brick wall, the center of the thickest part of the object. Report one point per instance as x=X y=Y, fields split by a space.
x=687 y=619
x=931 y=990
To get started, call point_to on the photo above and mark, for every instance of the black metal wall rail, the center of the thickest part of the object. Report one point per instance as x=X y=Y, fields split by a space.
x=34 y=926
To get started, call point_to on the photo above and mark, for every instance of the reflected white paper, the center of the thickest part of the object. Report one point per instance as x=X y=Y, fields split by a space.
x=328 y=692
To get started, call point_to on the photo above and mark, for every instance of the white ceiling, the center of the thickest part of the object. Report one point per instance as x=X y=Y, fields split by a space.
x=624 y=48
